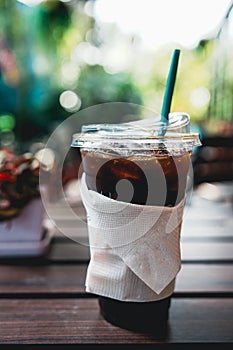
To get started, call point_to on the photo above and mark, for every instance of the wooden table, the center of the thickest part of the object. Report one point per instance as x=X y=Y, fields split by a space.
x=43 y=301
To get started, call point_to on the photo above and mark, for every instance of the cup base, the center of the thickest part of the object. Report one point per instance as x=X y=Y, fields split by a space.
x=146 y=317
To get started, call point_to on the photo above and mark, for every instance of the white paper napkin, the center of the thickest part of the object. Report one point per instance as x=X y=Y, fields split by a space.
x=135 y=249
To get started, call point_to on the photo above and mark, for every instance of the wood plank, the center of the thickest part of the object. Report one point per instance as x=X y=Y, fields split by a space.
x=202 y=217
x=206 y=228
x=57 y=279
x=76 y=321
x=191 y=230
x=206 y=251
x=201 y=320
x=192 y=227
x=205 y=278
x=64 y=250
x=191 y=251
x=69 y=251
x=42 y=279
x=203 y=209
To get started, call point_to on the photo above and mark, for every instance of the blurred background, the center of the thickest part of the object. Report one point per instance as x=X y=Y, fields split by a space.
x=59 y=57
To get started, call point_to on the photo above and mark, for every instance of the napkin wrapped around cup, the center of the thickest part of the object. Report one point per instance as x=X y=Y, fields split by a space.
x=134 y=249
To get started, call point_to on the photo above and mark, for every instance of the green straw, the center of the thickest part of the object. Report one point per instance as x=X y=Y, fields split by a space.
x=169 y=90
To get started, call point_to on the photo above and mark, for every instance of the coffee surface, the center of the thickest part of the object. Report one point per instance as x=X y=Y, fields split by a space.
x=150 y=178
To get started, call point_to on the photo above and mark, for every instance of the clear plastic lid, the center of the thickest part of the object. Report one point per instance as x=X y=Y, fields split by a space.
x=147 y=133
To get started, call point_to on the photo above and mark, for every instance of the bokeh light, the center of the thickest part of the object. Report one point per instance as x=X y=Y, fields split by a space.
x=200 y=97
x=30 y=2
x=70 y=72
x=70 y=101
x=85 y=52
x=7 y=122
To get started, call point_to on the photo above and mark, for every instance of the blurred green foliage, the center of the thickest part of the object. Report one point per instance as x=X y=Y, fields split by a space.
x=38 y=43
x=96 y=86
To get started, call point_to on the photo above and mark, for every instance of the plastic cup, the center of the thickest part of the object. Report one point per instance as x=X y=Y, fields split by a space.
x=156 y=168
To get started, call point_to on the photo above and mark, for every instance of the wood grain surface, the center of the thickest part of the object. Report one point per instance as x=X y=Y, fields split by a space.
x=43 y=299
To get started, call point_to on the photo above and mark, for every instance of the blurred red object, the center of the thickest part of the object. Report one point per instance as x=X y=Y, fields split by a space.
x=19 y=182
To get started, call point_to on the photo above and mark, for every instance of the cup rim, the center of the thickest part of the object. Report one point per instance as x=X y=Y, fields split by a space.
x=135 y=134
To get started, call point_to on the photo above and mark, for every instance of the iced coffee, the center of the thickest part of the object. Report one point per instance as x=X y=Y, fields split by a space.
x=153 y=172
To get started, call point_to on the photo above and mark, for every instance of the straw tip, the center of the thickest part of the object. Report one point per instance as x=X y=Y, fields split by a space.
x=176 y=52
